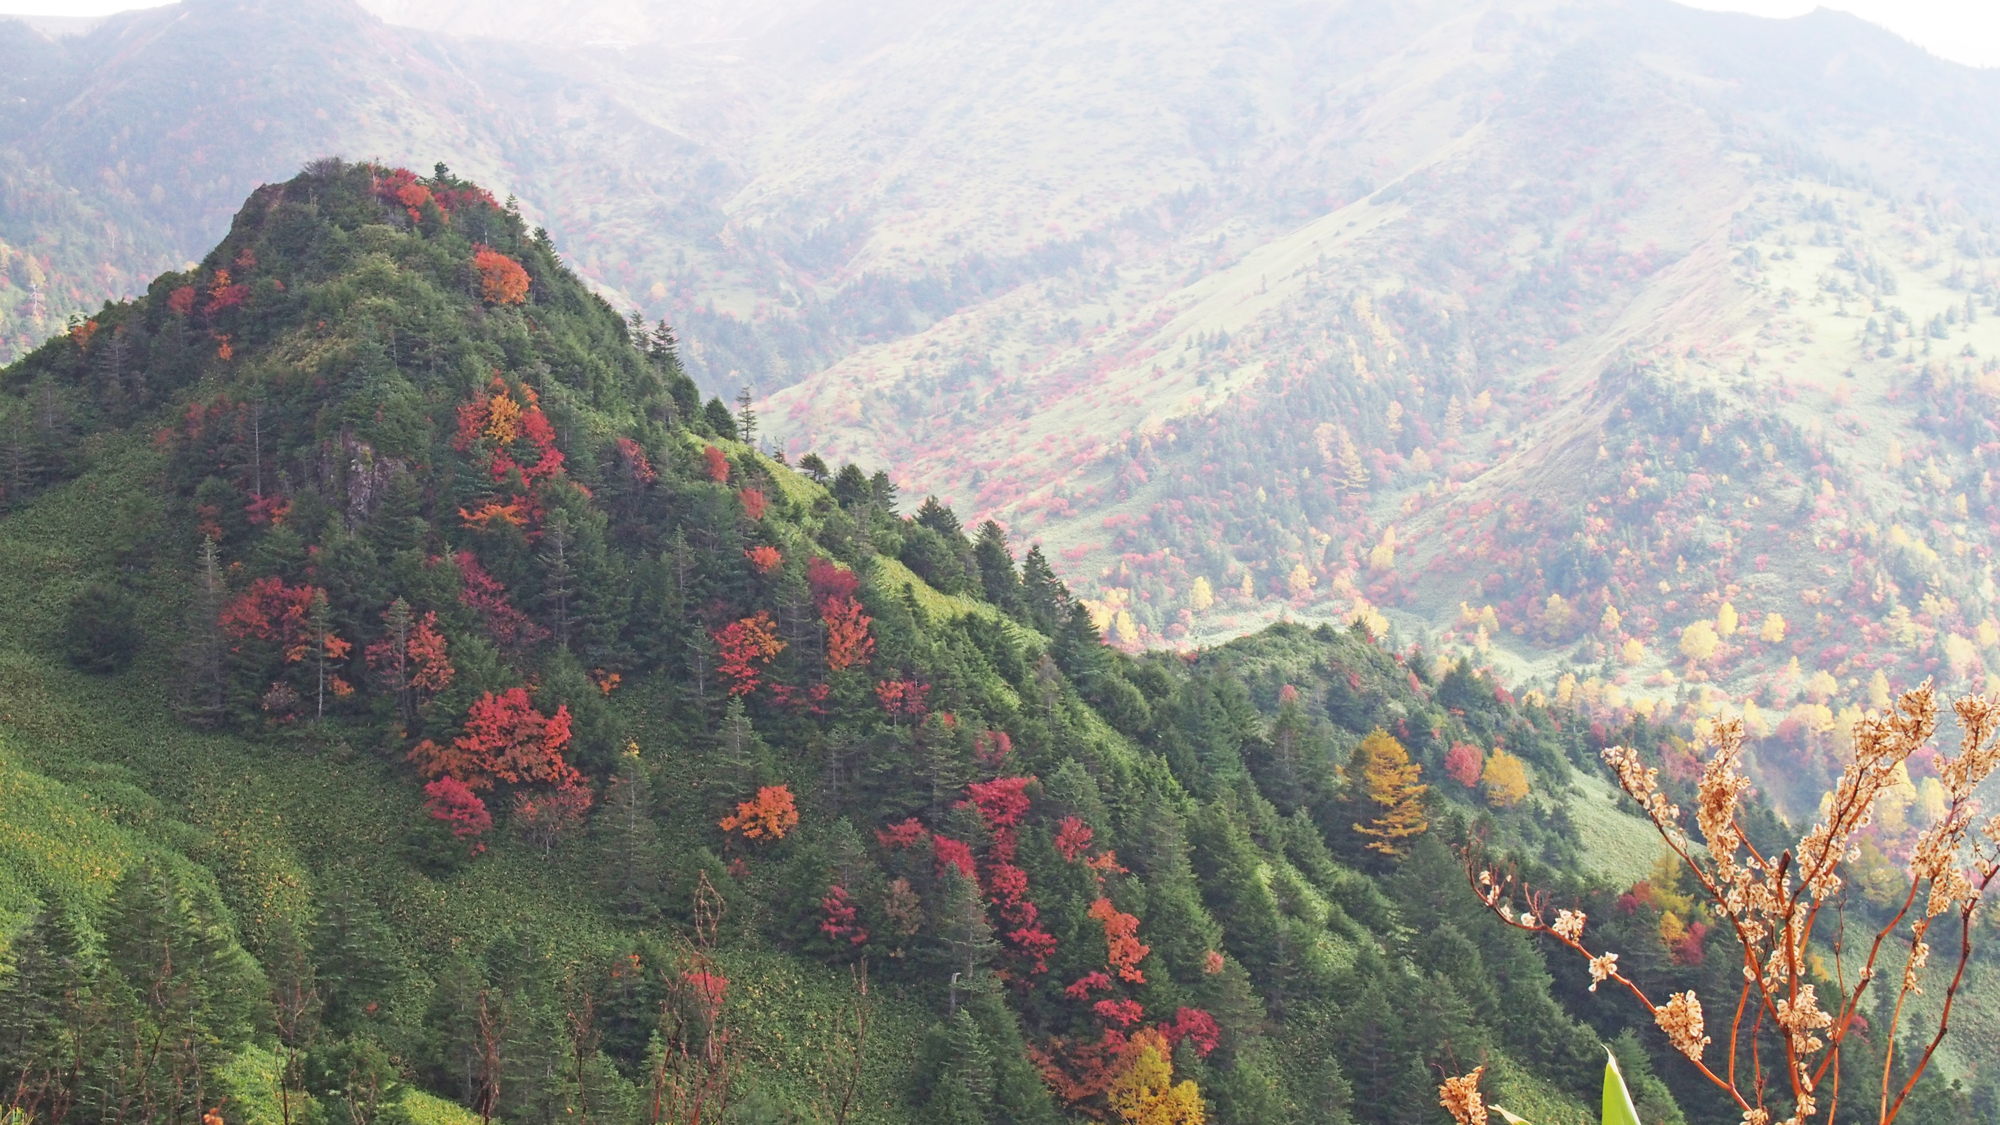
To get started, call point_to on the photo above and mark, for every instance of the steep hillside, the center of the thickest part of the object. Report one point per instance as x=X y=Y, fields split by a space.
x=1643 y=315
x=395 y=633
x=1414 y=309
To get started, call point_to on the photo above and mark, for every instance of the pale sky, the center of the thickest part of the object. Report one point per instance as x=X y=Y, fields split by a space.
x=1966 y=31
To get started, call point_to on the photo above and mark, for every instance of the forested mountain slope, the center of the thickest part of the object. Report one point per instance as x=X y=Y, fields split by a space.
x=1650 y=342
x=396 y=638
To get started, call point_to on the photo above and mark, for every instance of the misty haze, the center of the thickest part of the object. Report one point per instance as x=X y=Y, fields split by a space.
x=1139 y=561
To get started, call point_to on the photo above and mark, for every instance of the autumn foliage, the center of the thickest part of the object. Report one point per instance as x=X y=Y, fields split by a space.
x=1463 y=763
x=502 y=281
x=952 y=854
x=1127 y=1079
x=838 y=917
x=508 y=430
x=1197 y=1027
x=904 y=834
x=903 y=698
x=1144 y=1092
x=767 y=816
x=848 y=642
x=1391 y=796
x=744 y=647
x=505 y=740
x=1505 y=780
x=271 y=611
x=1123 y=949
x=484 y=595
x=1073 y=837
x=544 y=818
x=412 y=660
x=449 y=800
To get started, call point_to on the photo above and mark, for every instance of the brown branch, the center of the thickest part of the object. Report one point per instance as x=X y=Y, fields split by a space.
x=1950 y=995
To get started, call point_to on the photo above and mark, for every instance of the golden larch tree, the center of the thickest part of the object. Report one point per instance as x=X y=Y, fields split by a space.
x=1505 y=780
x=1390 y=788
x=1144 y=1091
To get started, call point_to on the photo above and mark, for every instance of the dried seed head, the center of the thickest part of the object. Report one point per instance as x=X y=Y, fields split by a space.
x=1460 y=1098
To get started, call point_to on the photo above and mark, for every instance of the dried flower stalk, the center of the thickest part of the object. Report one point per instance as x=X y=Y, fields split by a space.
x=1770 y=905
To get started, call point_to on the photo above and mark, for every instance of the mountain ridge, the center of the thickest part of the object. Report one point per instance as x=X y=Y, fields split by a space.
x=844 y=213
x=404 y=640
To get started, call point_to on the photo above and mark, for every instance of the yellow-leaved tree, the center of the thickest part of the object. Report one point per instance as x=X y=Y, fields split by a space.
x=1202 y=595
x=1698 y=641
x=1300 y=581
x=1505 y=780
x=1725 y=620
x=1145 y=1093
x=1390 y=794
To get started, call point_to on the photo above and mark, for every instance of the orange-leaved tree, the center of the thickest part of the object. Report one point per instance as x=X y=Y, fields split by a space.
x=502 y=281
x=1390 y=795
x=412 y=659
x=1123 y=949
x=847 y=640
x=1788 y=1005
x=768 y=815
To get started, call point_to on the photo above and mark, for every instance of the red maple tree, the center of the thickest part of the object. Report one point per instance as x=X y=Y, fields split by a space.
x=902 y=698
x=412 y=659
x=506 y=739
x=1123 y=1013
x=743 y=647
x=1464 y=762
x=839 y=917
x=543 y=819
x=829 y=581
x=271 y=611
x=1088 y=983
x=637 y=465
x=901 y=835
x=483 y=594
x=1197 y=1027
x=953 y=853
x=451 y=801
x=1073 y=837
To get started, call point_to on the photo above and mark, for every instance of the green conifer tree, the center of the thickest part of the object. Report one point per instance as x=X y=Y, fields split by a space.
x=958 y=1072
x=630 y=871
x=996 y=567
x=1043 y=596
x=203 y=680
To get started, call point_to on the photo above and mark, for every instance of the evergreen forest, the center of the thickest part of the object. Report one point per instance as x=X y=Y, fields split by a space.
x=417 y=704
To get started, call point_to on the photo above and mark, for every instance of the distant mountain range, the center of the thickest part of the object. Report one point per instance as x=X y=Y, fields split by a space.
x=1551 y=329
